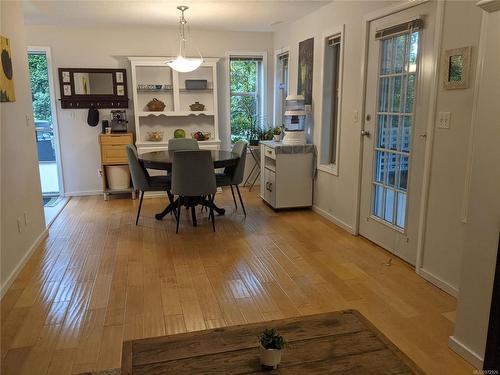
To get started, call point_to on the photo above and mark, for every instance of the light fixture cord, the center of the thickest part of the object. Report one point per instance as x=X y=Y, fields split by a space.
x=183 y=23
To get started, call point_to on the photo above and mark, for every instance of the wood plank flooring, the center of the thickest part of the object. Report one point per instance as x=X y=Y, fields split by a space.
x=98 y=280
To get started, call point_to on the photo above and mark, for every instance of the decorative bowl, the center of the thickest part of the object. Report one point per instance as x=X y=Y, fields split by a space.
x=155 y=136
x=156 y=105
x=197 y=106
x=201 y=136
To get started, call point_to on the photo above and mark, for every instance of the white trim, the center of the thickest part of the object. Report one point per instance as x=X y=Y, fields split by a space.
x=333 y=219
x=489 y=6
x=83 y=193
x=426 y=175
x=228 y=85
x=23 y=261
x=53 y=108
x=332 y=168
x=441 y=284
x=468 y=354
x=278 y=52
x=474 y=118
x=362 y=101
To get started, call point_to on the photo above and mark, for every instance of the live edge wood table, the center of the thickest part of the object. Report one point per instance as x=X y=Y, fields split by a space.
x=341 y=342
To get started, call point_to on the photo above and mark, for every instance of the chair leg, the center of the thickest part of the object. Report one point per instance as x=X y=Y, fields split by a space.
x=234 y=199
x=179 y=205
x=140 y=206
x=171 y=201
x=212 y=211
x=241 y=200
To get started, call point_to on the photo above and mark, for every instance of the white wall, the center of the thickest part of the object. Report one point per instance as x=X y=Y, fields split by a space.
x=444 y=232
x=20 y=182
x=110 y=47
x=483 y=220
x=336 y=195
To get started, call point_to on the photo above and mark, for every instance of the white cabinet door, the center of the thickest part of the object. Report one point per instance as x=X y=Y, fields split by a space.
x=270 y=187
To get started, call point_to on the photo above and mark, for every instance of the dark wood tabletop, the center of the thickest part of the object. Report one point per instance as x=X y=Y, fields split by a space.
x=163 y=159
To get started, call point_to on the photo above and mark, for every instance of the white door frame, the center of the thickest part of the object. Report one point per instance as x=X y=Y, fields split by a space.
x=53 y=109
x=277 y=53
x=438 y=30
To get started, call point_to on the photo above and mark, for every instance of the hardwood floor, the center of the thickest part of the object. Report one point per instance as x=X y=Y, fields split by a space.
x=98 y=280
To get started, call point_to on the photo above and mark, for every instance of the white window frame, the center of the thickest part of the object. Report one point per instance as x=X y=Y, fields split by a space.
x=263 y=102
x=277 y=54
x=332 y=168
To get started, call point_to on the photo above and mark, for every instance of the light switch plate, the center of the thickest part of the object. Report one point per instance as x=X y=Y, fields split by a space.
x=443 y=120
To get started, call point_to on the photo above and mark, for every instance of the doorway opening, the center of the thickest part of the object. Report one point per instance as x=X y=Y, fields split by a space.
x=46 y=135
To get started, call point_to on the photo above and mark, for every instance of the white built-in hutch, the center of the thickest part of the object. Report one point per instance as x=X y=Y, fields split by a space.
x=152 y=78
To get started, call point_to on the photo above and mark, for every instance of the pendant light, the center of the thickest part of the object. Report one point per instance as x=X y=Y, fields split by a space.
x=182 y=63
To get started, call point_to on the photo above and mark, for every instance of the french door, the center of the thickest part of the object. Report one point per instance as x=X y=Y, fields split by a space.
x=400 y=56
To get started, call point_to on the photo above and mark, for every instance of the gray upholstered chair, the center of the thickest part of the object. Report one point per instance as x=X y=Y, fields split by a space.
x=233 y=176
x=142 y=181
x=193 y=176
x=175 y=144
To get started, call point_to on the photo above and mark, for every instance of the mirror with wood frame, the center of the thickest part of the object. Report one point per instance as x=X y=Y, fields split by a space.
x=89 y=87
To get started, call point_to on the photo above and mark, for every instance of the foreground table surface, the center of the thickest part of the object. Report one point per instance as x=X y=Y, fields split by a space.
x=163 y=159
x=333 y=343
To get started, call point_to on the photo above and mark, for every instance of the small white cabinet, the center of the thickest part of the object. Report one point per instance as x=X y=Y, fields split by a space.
x=287 y=174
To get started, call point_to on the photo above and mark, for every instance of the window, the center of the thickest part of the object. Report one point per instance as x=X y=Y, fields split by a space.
x=281 y=87
x=331 y=100
x=246 y=97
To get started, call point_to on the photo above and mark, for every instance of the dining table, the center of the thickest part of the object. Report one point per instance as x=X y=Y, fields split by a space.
x=163 y=160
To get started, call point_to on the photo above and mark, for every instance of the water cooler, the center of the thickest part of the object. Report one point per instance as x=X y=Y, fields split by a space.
x=295 y=120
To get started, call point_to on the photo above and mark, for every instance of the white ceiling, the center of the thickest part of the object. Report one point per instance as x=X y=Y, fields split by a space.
x=236 y=15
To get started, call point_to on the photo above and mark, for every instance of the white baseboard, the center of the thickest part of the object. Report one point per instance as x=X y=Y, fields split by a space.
x=83 y=193
x=333 y=219
x=463 y=351
x=23 y=261
x=448 y=288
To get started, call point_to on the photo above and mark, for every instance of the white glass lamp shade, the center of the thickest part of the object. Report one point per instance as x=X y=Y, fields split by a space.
x=185 y=64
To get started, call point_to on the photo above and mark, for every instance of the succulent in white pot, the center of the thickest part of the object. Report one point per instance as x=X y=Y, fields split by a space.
x=271 y=344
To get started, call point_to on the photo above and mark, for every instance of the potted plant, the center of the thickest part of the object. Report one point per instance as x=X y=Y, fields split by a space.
x=277 y=134
x=271 y=344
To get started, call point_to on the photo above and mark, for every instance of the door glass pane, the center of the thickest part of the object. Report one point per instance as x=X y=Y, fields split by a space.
x=384 y=95
x=383 y=134
x=389 y=205
x=380 y=167
x=401 y=210
x=395 y=93
x=378 y=201
x=395 y=114
x=392 y=166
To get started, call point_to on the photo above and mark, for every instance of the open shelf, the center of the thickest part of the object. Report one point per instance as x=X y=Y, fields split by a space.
x=175 y=114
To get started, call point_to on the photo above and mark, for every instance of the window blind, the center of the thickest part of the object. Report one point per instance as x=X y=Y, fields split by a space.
x=415 y=24
x=334 y=40
x=245 y=58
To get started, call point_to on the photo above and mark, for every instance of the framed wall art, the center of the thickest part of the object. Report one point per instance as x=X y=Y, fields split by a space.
x=7 y=91
x=456 y=67
x=305 y=71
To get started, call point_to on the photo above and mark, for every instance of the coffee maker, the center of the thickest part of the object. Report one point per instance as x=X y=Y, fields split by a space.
x=119 y=121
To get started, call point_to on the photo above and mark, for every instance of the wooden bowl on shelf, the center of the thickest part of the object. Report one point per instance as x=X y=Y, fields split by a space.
x=156 y=105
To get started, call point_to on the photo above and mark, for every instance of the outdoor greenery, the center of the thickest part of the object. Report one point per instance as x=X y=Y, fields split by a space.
x=244 y=111
x=40 y=87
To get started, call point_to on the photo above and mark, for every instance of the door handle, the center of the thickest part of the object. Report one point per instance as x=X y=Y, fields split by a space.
x=365 y=133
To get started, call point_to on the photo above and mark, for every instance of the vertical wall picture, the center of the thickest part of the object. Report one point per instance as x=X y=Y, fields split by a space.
x=456 y=68
x=7 y=93
x=305 y=71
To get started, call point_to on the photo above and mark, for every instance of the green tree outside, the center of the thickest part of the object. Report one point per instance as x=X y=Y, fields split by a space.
x=40 y=87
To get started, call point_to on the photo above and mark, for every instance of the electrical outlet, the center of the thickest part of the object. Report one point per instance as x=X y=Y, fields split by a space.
x=26 y=219
x=443 y=120
x=19 y=225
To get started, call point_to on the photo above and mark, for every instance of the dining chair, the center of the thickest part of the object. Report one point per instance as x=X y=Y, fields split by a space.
x=233 y=176
x=142 y=181
x=193 y=176
x=176 y=144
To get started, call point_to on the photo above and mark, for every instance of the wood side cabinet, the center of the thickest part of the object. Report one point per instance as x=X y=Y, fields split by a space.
x=113 y=153
x=286 y=175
